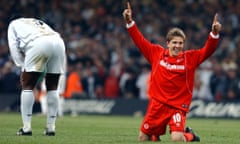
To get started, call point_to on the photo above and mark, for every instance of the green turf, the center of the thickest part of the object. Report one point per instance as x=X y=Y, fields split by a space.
x=91 y=129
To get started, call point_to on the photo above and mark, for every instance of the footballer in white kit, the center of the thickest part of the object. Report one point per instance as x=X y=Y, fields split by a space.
x=36 y=47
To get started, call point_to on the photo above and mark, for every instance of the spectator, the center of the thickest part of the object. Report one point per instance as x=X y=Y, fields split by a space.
x=200 y=90
x=111 y=85
x=202 y=76
x=74 y=88
x=130 y=88
x=232 y=85
x=142 y=82
x=217 y=82
x=9 y=80
x=90 y=82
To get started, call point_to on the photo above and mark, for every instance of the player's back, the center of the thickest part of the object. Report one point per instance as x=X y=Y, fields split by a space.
x=28 y=29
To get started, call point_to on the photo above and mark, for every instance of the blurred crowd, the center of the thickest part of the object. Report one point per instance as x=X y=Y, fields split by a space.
x=103 y=62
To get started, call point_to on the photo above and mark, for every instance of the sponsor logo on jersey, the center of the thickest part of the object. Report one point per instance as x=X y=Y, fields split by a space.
x=171 y=67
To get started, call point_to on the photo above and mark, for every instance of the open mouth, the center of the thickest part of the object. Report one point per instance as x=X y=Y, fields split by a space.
x=176 y=50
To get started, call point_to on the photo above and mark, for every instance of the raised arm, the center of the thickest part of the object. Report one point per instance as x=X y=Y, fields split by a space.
x=147 y=48
x=216 y=26
x=212 y=42
x=127 y=13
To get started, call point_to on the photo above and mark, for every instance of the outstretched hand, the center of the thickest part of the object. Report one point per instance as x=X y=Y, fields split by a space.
x=127 y=13
x=216 y=26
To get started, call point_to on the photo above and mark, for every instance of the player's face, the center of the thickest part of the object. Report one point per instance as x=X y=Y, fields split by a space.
x=175 y=46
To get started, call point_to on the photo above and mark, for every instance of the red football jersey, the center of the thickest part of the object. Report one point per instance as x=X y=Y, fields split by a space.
x=172 y=77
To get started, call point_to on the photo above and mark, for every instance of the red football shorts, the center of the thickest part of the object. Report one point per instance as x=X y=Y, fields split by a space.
x=160 y=115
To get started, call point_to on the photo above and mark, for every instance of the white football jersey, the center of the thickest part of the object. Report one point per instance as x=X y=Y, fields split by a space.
x=21 y=32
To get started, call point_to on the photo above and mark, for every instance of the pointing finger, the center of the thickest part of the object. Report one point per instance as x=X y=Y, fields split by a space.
x=128 y=5
x=215 y=18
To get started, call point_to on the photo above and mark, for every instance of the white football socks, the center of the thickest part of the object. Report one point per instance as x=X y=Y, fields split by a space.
x=27 y=101
x=52 y=102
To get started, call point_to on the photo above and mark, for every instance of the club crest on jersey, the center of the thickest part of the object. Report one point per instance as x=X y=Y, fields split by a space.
x=171 y=67
x=146 y=126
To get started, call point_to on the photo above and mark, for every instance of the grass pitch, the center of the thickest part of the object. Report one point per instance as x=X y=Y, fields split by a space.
x=95 y=129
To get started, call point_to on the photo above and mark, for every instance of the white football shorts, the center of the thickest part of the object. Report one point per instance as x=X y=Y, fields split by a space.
x=45 y=53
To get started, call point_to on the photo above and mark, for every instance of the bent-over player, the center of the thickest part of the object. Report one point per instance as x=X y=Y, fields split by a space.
x=36 y=47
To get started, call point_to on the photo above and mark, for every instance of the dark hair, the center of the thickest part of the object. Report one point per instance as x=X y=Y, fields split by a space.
x=15 y=16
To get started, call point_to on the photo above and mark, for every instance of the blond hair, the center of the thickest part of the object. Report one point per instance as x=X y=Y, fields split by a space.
x=175 y=32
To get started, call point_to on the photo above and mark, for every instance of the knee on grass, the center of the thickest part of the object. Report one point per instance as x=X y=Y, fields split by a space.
x=177 y=137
